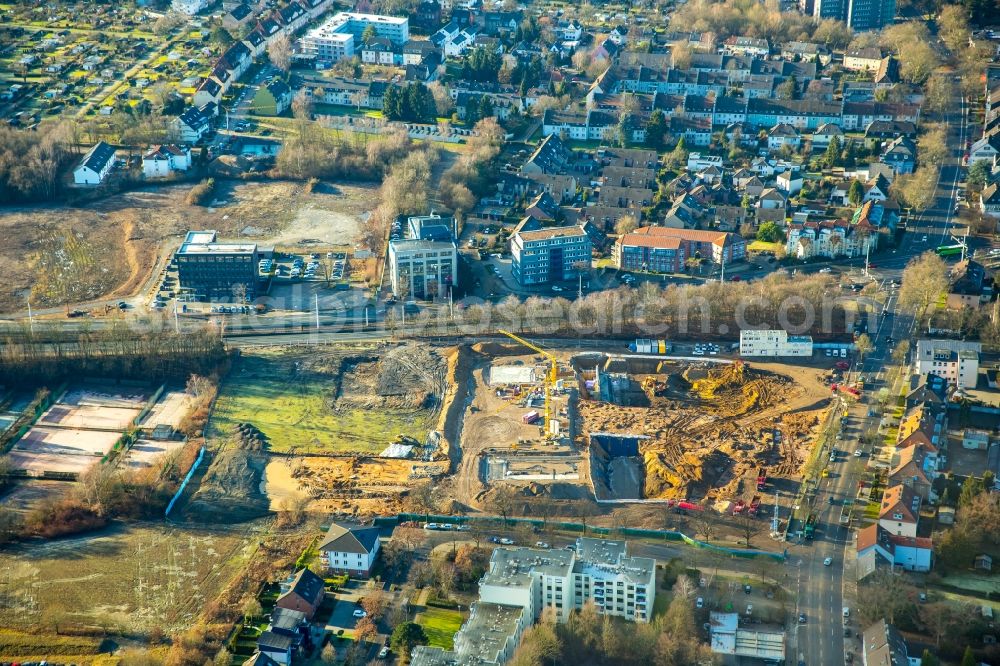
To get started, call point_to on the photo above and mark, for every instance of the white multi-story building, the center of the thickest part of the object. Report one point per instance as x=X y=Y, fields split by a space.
x=340 y=36
x=957 y=361
x=774 y=342
x=832 y=238
x=189 y=7
x=522 y=583
x=425 y=264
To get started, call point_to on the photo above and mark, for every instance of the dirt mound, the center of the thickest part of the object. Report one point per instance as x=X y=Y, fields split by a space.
x=406 y=377
x=231 y=490
x=495 y=349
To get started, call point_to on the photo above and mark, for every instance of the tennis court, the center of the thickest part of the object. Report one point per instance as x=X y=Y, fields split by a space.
x=147 y=452
x=60 y=449
x=92 y=409
x=169 y=410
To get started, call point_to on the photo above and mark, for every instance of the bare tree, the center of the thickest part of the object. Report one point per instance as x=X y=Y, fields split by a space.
x=279 y=52
x=749 y=527
x=302 y=105
x=924 y=280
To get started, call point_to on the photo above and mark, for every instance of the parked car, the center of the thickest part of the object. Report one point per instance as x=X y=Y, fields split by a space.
x=541 y=544
x=360 y=613
x=384 y=652
x=699 y=603
x=504 y=541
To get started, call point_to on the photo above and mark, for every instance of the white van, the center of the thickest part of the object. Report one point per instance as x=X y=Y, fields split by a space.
x=847 y=612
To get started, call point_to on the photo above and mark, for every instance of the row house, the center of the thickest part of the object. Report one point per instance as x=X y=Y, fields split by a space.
x=801 y=114
x=344 y=91
x=751 y=46
x=859 y=115
x=826 y=238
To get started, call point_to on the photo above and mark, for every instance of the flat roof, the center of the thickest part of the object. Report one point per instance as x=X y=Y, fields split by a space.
x=217 y=248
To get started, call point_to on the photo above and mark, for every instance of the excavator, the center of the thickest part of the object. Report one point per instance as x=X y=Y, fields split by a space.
x=550 y=375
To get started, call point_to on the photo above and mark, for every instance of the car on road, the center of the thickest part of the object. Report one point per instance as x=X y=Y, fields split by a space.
x=802 y=618
x=541 y=544
x=556 y=287
x=826 y=269
x=360 y=613
x=699 y=603
x=923 y=239
x=858 y=453
x=830 y=500
x=747 y=589
x=827 y=562
x=384 y=652
x=493 y=539
x=504 y=541
x=825 y=473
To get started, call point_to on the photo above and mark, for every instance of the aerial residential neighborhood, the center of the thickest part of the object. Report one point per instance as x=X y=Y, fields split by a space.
x=472 y=333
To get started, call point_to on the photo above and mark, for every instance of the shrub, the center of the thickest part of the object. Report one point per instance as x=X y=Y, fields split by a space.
x=68 y=516
x=201 y=194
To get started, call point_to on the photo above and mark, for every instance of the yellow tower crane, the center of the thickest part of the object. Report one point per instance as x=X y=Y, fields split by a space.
x=550 y=376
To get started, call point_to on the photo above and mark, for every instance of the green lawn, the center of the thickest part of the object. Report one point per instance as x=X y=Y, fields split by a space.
x=440 y=625
x=293 y=407
x=763 y=246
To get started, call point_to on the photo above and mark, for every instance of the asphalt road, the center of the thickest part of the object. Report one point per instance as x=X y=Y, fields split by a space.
x=821 y=641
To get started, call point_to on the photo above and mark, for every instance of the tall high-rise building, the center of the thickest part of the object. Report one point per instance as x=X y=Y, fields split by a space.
x=865 y=15
x=860 y=15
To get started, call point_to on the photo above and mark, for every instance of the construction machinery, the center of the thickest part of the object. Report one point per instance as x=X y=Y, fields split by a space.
x=550 y=376
x=761 y=478
x=730 y=375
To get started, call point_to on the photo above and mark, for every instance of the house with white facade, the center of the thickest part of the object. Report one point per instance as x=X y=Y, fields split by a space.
x=957 y=361
x=95 y=165
x=162 y=161
x=908 y=553
x=194 y=122
x=348 y=548
x=900 y=511
x=827 y=238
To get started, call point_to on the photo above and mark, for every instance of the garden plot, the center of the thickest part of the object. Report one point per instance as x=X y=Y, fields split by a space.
x=61 y=449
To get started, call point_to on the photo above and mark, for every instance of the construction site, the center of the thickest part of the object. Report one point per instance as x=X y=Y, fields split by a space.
x=713 y=431
x=618 y=428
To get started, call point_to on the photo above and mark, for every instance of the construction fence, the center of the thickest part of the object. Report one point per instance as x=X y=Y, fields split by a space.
x=582 y=528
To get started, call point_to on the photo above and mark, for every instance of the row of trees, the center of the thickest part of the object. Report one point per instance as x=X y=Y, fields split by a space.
x=808 y=304
x=153 y=353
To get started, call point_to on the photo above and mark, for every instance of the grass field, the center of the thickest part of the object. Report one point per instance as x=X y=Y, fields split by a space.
x=440 y=625
x=122 y=579
x=293 y=407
